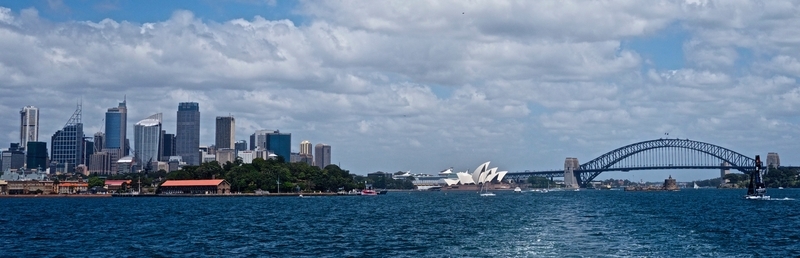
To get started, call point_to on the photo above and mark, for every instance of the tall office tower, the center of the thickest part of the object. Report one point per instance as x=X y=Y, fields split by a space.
x=28 y=125
x=99 y=140
x=66 y=145
x=88 y=150
x=36 y=156
x=116 y=127
x=305 y=154
x=147 y=140
x=305 y=147
x=167 y=146
x=13 y=158
x=280 y=144
x=226 y=133
x=773 y=160
x=322 y=155
x=100 y=163
x=187 y=134
x=258 y=140
x=240 y=146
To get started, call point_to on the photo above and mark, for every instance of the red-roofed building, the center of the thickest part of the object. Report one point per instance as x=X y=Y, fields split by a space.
x=71 y=187
x=206 y=186
x=114 y=185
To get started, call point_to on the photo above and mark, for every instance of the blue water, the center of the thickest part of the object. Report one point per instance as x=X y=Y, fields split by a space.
x=705 y=222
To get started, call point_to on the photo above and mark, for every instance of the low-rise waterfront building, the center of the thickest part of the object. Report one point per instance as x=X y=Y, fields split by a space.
x=115 y=185
x=71 y=187
x=3 y=187
x=206 y=186
x=30 y=187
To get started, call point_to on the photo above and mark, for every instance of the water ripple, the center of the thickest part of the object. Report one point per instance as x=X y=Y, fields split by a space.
x=690 y=223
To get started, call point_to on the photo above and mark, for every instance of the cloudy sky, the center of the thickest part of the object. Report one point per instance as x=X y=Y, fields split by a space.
x=420 y=85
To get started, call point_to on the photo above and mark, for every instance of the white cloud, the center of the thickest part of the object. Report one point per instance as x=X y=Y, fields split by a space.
x=418 y=85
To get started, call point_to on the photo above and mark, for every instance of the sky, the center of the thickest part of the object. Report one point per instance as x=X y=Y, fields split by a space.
x=420 y=86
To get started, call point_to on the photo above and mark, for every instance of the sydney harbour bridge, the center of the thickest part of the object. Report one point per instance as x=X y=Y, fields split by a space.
x=657 y=154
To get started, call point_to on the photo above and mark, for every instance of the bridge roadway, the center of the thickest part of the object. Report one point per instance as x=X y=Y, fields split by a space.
x=560 y=173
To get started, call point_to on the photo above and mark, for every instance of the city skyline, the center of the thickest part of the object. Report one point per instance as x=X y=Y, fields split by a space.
x=420 y=86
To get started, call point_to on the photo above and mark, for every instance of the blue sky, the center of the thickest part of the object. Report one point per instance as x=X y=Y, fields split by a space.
x=421 y=86
x=152 y=11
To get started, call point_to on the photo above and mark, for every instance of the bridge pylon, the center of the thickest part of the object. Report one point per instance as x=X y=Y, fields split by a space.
x=570 y=178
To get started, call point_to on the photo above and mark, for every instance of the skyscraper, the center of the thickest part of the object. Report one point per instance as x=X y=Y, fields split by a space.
x=167 y=146
x=280 y=144
x=116 y=127
x=226 y=133
x=322 y=155
x=306 y=155
x=240 y=145
x=305 y=147
x=147 y=139
x=99 y=141
x=28 y=126
x=66 y=145
x=187 y=133
x=36 y=155
x=13 y=158
x=258 y=139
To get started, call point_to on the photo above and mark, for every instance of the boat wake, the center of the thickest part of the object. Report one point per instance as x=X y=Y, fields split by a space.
x=781 y=199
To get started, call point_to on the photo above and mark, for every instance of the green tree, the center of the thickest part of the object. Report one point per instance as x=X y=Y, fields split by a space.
x=539 y=182
x=96 y=181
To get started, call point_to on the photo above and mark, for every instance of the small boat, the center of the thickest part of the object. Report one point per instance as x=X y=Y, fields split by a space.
x=577 y=189
x=487 y=194
x=695 y=186
x=368 y=190
x=518 y=190
x=780 y=187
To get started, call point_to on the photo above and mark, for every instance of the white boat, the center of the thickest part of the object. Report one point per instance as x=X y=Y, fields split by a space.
x=518 y=190
x=695 y=186
x=781 y=187
x=487 y=194
x=756 y=197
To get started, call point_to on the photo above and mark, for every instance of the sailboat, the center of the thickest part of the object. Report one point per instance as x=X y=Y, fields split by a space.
x=485 y=178
x=484 y=191
x=756 y=189
x=695 y=186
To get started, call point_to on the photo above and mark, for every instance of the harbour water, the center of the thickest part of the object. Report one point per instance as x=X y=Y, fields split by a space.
x=591 y=223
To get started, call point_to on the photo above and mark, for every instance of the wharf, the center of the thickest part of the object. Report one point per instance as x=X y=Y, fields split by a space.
x=55 y=195
x=228 y=195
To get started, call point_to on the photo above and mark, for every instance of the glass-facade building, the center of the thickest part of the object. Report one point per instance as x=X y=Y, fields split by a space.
x=116 y=127
x=280 y=144
x=187 y=133
x=67 y=148
x=36 y=157
x=147 y=139
x=167 y=146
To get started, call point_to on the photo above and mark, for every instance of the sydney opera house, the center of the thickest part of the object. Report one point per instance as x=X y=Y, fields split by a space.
x=481 y=175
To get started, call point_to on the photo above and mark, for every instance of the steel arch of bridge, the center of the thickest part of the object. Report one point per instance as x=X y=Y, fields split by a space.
x=589 y=170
